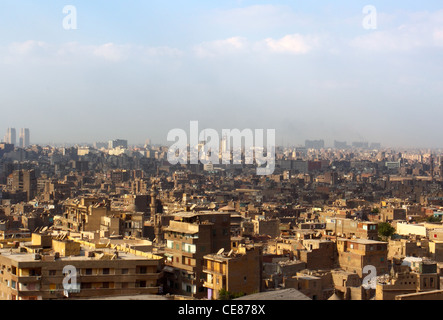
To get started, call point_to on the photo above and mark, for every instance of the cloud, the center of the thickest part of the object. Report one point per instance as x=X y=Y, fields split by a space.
x=289 y=44
x=111 y=52
x=27 y=47
x=221 y=47
x=292 y=43
x=37 y=51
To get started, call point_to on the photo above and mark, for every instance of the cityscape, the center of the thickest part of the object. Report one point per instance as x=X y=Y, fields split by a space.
x=238 y=152
x=352 y=222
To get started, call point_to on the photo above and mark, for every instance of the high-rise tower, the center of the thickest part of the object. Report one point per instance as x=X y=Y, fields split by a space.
x=24 y=138
x=11 y=136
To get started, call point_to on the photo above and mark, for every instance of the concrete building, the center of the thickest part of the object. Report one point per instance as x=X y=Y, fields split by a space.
x=348 y=228
x=24 y=140
x=11 y=136
x=238 y=272
x=270 y=227
x=423 y=278
x=35 y=271
x=84 y=214
x=354 y=255
x=25 y=181
x=189 y=237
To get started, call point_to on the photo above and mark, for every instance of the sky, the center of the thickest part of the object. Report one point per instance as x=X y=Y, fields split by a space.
x=137 y=69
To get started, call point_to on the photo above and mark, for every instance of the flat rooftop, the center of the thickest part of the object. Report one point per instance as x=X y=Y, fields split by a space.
x=122 y=255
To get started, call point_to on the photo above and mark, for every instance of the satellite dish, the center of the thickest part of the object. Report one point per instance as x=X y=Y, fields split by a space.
x=230 y=253
x=221 y=251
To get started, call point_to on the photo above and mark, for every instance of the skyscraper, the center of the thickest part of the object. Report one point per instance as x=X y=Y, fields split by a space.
x=11 y=136
x=24 y=138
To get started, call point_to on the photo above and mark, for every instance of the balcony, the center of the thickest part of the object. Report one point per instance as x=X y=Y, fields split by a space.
x=208 y=285
x=29 y=279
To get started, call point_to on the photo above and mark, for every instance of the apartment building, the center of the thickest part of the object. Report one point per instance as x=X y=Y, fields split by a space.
x=348 y=228
x=354 y=255
x=238 y=272
x=189 y=237
x=36 y=271
x=83 y=214
x=421 y=278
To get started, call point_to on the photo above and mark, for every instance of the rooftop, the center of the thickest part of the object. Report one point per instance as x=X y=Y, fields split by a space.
x=283 y=294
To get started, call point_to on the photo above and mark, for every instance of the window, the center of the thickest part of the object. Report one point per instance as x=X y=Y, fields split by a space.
x=105 y=270
x=88 y=271
x=105 y=285
x=143 y=270
x=52 y=272
x=86 y=285
x=125 y=271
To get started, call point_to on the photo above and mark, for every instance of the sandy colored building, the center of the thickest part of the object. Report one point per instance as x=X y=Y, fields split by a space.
x=36 y=271
x=237 y=271
x=425 y=278
x=354 y=255
x=189 y=237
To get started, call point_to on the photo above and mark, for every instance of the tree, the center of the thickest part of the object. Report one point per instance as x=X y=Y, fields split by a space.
x=385 y=230
x=226 y=295
x=433 y=219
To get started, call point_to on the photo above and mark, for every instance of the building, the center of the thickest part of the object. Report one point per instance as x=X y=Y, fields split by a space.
x=270 y=227
x=422 y=278
x=11 y=136
x=24 y=140
x=5 y=148
x=84 y=214
x=189 y=237
x=348 y=228
x=118 y=143
x=355 y=254
x=36 y=270
x=317 y=254
x=309 y=285
x=238 y=272
x=25 y=181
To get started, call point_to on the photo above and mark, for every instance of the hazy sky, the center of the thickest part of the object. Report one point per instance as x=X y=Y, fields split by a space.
x=136 y=69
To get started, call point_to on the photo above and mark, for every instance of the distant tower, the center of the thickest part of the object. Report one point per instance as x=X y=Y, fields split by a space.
x=157 y=216
x=24 y=138
x=432 y=166
x=11 y=136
